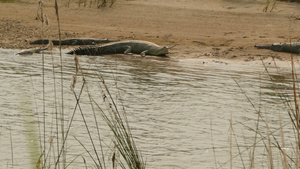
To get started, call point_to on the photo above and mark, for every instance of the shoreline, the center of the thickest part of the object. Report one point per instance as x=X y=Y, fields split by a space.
x=218 y=29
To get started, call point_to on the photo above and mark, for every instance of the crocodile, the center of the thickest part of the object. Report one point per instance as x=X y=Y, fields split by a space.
x=124 y=47
x=73 y=41
x=33 y=50
x=282 y=47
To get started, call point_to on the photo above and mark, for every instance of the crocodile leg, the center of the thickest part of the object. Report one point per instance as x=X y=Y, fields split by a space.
x=128 y=50
x=74 y=42
x=143 y=54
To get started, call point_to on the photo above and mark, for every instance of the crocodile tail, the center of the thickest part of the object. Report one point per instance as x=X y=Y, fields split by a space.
x=70 y=52
x=263 y=46
x=84 y=51
x=170 y=47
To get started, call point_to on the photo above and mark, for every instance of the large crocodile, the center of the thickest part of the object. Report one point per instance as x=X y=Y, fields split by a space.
x=282 y=47
x=124 y=47
x=73 y=41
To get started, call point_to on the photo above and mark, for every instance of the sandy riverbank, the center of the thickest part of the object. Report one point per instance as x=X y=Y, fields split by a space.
x=208 y=28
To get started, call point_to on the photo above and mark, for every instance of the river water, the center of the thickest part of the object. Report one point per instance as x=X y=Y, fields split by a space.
x=183 y=113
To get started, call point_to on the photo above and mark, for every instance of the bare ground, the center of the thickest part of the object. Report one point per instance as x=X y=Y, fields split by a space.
x=224 y=29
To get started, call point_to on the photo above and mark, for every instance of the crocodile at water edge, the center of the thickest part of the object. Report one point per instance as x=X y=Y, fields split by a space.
x=282 y=47
x=33 y=50
x=124 y=47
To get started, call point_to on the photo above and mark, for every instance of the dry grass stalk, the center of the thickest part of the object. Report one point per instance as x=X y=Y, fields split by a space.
x=12 y=150
x=268 y=4
x=284 y=155
x=212 y=142
x=39 y=15
x=62 y=151
x=230 y=141
x=269 y=146
x=296 y=110
x=77 y=66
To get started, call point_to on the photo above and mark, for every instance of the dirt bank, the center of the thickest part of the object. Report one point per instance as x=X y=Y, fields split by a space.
x=208 y=28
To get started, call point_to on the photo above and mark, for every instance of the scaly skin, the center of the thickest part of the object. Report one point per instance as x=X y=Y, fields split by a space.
x=282 y=47
x=123 y=47
x=33 y=50
x=73 y=42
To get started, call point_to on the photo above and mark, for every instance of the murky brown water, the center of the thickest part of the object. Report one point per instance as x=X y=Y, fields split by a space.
x=178 y=109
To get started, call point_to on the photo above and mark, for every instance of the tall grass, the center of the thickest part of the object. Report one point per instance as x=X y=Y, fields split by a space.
x=53 y=152
x=292 y=107
x=274 y=140
x=115 y=117
x=117 y=121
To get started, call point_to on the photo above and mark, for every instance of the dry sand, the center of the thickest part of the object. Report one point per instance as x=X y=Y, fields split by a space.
x=224 y=29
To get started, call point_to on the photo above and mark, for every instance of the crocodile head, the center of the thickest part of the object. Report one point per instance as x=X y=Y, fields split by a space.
x=162 y=51
x=274 y=46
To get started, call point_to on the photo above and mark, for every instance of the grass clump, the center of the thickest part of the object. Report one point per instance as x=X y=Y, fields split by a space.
x=118 y=123
x=116 y=120
x=54 y=153
x=278 y=143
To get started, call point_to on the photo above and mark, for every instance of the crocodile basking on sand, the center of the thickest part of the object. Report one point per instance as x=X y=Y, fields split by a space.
x=282 y=47
x=73 y=42
x=124 y=47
